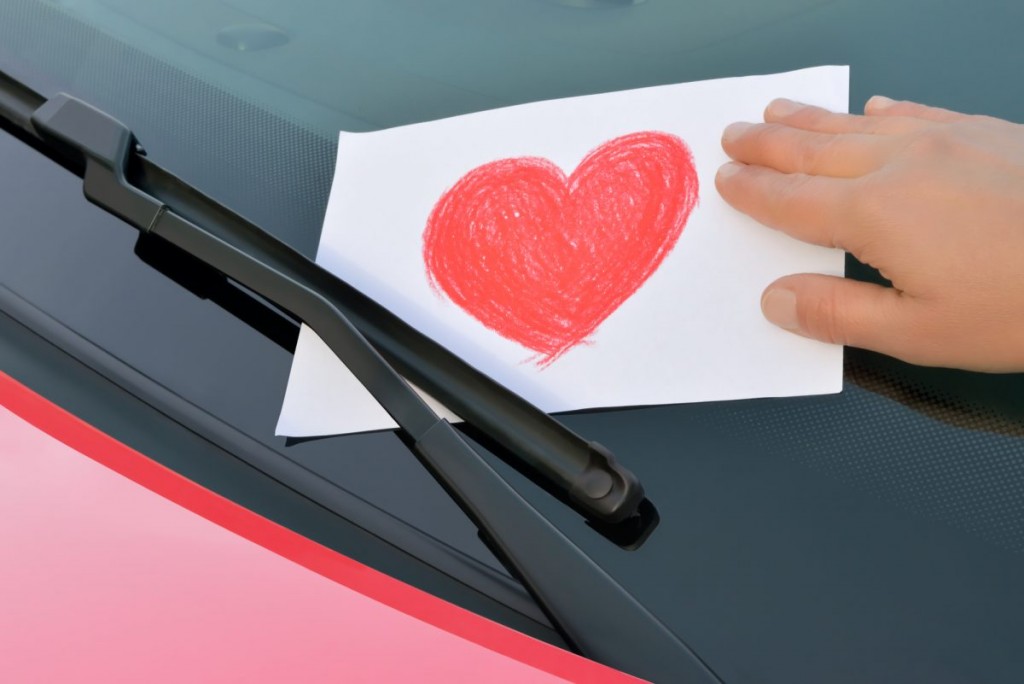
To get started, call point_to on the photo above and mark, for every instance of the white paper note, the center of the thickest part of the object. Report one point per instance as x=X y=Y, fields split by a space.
x=575 y=250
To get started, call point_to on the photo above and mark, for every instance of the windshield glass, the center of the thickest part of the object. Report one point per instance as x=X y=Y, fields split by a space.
x=244 y=98
x=877 y=534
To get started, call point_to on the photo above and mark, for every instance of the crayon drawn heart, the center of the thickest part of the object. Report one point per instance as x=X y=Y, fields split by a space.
x=543 y=259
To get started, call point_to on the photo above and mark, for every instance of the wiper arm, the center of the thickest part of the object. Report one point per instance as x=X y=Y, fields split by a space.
x=583 y=474
x=594 y=612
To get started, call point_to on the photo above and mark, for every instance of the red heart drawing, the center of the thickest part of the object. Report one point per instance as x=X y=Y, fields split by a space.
x=542 y=259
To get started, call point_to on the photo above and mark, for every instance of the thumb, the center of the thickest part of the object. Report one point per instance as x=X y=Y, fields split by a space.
x=838 y=311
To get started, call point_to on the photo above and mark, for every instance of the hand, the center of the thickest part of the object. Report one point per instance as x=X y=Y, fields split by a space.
x=933 y=199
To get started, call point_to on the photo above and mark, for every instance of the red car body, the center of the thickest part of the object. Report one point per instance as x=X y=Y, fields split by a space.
x=118 y=569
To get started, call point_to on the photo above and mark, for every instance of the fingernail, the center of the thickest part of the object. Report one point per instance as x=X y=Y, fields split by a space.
x=734 y=131
x=879 y=102
x=783 y=107
x=779 y=306
x=729 y=169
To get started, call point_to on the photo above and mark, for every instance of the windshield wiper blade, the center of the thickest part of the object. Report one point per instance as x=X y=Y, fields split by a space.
x=581 y=473
x=593 y=611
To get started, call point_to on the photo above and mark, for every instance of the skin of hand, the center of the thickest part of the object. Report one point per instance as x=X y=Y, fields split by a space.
x=931 y=198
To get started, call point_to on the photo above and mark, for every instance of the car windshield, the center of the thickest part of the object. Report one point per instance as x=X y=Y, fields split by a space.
x=258 y=91
x=875 y=535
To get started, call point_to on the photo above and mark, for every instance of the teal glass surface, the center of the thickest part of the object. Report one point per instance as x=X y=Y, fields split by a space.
x=875 y=535
x=367 y=64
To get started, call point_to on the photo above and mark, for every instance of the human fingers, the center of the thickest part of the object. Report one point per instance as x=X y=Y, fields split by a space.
x=841 y=311
x=811 y=118
x=810 y=208
x=792 y=150
x=881 y=106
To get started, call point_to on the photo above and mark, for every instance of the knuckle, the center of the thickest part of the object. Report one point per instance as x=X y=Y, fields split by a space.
x=823 y=318
x=808 y=153
x=872 y=201
x=754 y=134
x=810 y=117
x=765 y=137
x=822 y=151
x=821 y=118
x=904 y=108
x=931 y=142
x=789 y=193
x=777 y=146
x=884 y=125
x=863 y=213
